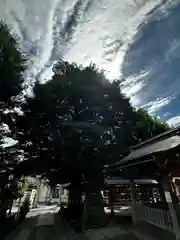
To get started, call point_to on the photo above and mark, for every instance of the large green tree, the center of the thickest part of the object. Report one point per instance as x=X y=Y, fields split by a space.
x=79 y=116
x=78 y=108
x=12 y=66
x=148 y=126
x=77 y=122
x=70 y=122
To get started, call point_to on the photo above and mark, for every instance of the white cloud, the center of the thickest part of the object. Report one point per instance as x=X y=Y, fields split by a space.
x=132 y=86
x=175 y=121
x=110 y=27
x=167 y=114
x=157 y=104
x=101 y=34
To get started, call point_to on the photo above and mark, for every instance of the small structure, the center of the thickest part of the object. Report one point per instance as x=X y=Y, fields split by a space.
x=158 y=159
x=119 y=193
x=43 y=192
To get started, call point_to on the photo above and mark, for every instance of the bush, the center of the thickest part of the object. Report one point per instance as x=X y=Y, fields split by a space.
x=63 y=209
x=63 y=204
x=24 y=209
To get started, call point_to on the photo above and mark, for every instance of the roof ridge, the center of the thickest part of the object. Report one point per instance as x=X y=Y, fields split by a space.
x=169 y=133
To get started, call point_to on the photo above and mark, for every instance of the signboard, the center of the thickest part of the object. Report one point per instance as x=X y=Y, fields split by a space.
x=168 y=196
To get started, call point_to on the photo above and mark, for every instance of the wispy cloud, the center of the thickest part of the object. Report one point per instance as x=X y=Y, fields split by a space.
x=155 y=50
x=175 y=121
x=122 y=37
x=132 y=86
x=157 y=104
x=75 y=30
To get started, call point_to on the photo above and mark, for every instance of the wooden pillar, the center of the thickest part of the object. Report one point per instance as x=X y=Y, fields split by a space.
x=133 y=202
x=150 y=193
x=168 y=196
x=110 y=201
x=176 y=189
x=161 y=191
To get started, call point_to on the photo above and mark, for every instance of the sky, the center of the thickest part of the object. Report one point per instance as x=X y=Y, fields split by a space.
x=136 y=40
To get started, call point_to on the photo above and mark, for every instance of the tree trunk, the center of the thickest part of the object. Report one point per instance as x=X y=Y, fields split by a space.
x=94 y=214
x=3 y=220
x=75 y=201
x=3 y=209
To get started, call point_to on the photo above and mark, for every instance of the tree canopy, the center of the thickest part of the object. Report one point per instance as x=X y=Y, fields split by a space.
x=75 y=123
x=78 y=122
x=12 y=67
x=149 y=126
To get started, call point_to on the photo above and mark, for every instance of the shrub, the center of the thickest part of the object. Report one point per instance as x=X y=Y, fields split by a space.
x=24 y=209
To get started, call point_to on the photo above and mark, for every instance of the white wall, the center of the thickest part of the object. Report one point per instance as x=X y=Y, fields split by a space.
x=43 y=192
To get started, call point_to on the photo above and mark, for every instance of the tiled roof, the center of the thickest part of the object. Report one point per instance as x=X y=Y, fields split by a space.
x=151 y=149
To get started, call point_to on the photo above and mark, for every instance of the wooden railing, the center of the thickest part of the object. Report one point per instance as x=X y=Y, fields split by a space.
x=157 y=217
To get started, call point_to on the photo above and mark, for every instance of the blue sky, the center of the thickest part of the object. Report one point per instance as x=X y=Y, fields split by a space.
x=156 y=51
x=134 y=39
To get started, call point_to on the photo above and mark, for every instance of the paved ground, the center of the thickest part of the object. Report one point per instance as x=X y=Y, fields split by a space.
x=110 y=233
x=45 y=224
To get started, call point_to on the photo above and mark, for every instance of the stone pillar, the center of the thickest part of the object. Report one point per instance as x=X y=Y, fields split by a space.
x=60 y=193
x=133 y=202
x=110 y=201
x=47 y=193
x=36 y=200
x=168 y=196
